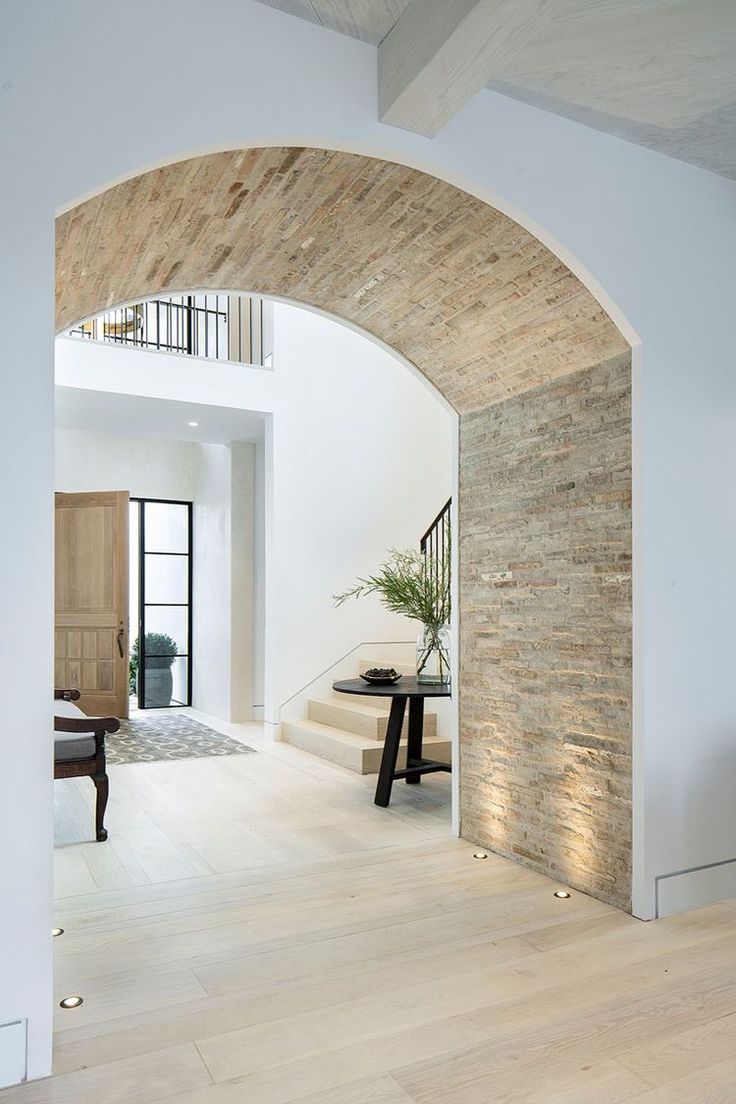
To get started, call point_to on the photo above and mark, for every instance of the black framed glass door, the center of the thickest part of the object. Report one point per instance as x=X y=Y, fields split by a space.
x=162 y=653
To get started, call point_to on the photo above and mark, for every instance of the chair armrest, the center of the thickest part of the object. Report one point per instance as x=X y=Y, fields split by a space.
x=66 y=695
x=97 y=725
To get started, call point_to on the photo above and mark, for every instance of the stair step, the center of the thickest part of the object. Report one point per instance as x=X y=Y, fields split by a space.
x=400 y=668
x=357 y=716
x=357 y=753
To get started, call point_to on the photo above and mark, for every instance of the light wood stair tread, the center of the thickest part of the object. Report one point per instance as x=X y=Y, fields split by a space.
x=347 y=749
x=358 y=716
x=352 y=738
x=359 y=705
x=341 y=734
x=354 y=705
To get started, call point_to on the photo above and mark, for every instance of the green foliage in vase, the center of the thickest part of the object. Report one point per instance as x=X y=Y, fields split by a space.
x=411 y=583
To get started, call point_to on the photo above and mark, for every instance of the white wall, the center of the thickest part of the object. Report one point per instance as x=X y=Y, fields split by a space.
x=222 y=601
x=262 y=537
x=147 y=467
x=152 y=467
x=655 y=236
x=246 y=637
x=212 y=576
x=97 y=366
x=362 y=462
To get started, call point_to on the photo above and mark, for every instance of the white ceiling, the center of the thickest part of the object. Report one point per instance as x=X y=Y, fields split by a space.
x=138 y=416
x=661 y=73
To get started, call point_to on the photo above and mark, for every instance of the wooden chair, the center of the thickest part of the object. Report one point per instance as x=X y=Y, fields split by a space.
x=79 y=749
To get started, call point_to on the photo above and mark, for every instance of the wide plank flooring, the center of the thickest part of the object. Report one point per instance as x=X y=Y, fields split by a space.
x=256 y=931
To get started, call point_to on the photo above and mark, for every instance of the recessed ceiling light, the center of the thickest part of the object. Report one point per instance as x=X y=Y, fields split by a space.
x=193 y=425
x=480 y=855
x=57 y=931
x=71 y=1002
x=562 y=894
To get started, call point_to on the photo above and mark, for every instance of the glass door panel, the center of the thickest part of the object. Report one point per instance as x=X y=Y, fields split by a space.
x=171 y=622
x=167 y=527
x=167 y=579
x=165 y=603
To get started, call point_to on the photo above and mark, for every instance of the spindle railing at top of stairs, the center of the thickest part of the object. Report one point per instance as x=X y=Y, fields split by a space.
x=435 y=544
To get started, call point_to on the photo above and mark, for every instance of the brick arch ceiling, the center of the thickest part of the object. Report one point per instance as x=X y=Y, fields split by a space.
x=477 y=303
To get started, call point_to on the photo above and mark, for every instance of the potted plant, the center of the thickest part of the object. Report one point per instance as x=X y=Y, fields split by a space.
x=159 y=655
x=417 y=585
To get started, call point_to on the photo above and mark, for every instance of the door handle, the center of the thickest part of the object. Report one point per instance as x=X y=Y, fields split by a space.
x=121 y=638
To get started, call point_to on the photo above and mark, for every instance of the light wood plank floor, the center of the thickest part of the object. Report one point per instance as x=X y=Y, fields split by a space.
x=256 y=931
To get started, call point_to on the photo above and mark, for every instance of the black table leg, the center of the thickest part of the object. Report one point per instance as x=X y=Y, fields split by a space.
x=390 y=751
x=416 y=732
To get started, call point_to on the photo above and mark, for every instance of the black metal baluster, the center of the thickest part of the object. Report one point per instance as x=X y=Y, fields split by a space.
x=217 y=327
x=190 y=324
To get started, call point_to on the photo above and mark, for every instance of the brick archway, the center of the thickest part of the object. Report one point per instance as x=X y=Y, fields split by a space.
x=540 y=377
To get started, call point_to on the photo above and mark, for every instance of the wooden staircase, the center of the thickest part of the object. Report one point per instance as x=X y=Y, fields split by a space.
x=350 y=732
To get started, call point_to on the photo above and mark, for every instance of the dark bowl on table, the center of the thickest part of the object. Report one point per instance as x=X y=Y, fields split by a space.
x=381 y=676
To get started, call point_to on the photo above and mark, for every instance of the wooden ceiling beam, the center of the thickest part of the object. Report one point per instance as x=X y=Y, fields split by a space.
x=439 y=54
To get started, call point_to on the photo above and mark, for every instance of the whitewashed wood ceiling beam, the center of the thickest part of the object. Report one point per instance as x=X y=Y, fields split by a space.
x=368 y=20
x=661 y=73
x=438 y=55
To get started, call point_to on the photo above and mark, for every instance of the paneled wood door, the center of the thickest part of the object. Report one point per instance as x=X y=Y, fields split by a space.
x=91 y=637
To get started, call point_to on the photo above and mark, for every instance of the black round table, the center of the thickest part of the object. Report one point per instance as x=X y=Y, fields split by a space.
x=406 y=689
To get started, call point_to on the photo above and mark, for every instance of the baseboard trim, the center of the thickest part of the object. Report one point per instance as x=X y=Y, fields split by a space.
x=13 y=1053
x=694 y=887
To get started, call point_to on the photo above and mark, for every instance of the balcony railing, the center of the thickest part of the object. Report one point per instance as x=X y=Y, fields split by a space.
x=218 y=327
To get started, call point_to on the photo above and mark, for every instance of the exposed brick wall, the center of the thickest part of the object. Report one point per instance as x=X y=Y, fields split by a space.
x=545 y=579
x=481 y=307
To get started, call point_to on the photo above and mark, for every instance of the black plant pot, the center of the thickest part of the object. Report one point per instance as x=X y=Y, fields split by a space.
x=159 y=686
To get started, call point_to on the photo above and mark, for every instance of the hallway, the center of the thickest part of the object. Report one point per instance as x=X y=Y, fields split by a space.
x=255 y=930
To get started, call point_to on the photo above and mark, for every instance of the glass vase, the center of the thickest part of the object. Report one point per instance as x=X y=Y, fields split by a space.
x=433 y=654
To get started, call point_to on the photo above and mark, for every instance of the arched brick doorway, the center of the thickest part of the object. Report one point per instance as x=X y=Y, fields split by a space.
x=540 y=377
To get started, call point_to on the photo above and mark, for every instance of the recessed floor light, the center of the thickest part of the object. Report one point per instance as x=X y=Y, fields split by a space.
x=193 y=425
x=57 y=931
x=71 y=1002
x=480 y=855
x=562 y=894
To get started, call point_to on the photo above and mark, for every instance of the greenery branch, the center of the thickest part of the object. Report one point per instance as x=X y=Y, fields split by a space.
x=416 y=585
x=412 y=583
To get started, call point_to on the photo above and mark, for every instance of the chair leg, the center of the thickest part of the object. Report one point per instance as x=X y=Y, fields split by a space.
x=102 y=785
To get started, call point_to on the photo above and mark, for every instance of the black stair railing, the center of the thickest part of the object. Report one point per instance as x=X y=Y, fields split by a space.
x=436 y=546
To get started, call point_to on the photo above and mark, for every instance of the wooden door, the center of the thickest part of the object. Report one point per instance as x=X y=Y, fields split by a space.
x=91 y=637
